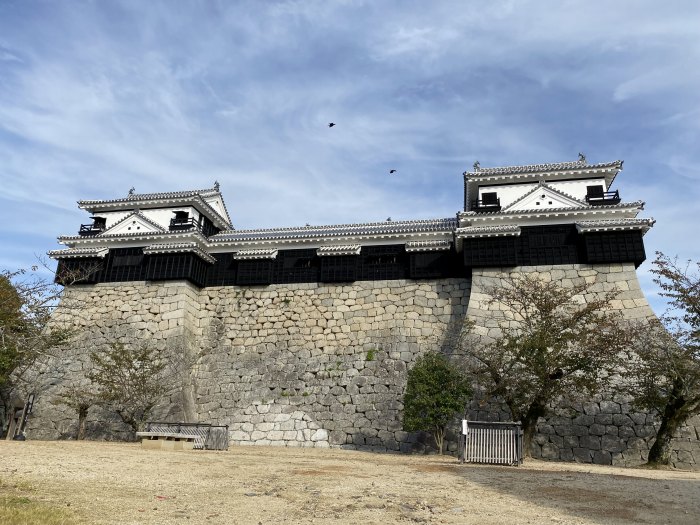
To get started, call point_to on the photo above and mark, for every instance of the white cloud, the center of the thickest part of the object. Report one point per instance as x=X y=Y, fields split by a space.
x=113 y=95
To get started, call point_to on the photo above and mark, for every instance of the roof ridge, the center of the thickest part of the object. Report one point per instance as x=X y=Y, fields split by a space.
x=535 y=168
x=339 y=226
x=156 y=195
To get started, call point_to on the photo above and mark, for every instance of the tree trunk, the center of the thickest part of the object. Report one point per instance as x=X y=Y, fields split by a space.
x=82 y=422
x=529 y=422
x=671 y=420
x=439 y=436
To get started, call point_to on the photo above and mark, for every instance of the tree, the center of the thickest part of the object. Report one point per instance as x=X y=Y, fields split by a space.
x=552 y=343
x=436 y=391
x=80 y=398
x=664 y=375
x=26 y=335
x=130 y=379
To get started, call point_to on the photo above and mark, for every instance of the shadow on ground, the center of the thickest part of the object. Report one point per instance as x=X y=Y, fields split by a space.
x=589 y=495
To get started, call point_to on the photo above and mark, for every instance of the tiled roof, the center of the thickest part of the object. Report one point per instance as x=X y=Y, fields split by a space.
x=152 y=196
x=255 y=254
x=340 y=230
x=347 y=249
x=139 y=197
x=179 y=248
x=614 y=224
x=130 y=235
x=633 y=204
x=78 y=252
x=488 y=231
x=543 y=168
x=428 y=246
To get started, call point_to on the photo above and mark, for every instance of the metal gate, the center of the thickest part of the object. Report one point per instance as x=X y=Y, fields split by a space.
x=492 y=442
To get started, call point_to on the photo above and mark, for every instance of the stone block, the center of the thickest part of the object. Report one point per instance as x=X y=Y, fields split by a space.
x=604 y=419
x=579 y=430
x=638 y=418
x=602 y=457
x=591 y=409
x=545 y=429
x=626 y=432
x=609 y=407
x=596 y=429
x=590 y=442
x=541 y=439
x=622 y=419
x=582 y=455
x=612 y=430
x=583 y=420
x=636 y=444
x=237 y=435
x=612 y=444
x=564 y=430
x=549 y=451
x=570 y=442
x=557 y=440
x=645 y=431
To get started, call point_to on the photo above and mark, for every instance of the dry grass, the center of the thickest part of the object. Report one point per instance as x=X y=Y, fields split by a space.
x=19 y=505
x=120 y=483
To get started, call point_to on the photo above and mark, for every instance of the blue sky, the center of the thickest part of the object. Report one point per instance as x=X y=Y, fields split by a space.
x=100 y=96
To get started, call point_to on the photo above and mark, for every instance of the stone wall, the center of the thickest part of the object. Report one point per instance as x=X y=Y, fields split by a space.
x=604 y=430
x=324 y=365
x=293 y=365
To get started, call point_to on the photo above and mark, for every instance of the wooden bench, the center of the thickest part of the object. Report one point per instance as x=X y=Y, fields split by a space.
x=166 y=440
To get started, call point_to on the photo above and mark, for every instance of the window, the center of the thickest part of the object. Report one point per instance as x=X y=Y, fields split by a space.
x=595 y=192
x=489 y=198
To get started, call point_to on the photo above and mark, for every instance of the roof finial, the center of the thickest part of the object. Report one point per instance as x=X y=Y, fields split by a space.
x=582 y=158
x=216 y=185
x=476 y=165
x=132 y=190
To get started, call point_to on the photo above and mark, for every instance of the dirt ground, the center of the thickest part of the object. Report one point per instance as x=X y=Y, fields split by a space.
x=121 y=483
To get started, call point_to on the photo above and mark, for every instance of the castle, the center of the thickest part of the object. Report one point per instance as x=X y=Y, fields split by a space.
x=302 y=336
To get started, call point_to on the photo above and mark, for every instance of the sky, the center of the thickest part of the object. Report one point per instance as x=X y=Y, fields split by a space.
x=100 y=96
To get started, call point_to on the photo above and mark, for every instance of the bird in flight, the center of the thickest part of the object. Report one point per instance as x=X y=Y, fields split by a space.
x=331 y=124
x=392 y=171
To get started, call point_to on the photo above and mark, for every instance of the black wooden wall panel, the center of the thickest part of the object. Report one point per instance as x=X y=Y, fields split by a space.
x=541 y=245
x=296 y=266
x=175 y=266
x=491 y=251
x=435 y=265
x=254 y=272
x=124 y=264
x=338 y=268
x=79 y=271
x=612 y=247
x=548 y=245
x=223 y=271
x=383 y=262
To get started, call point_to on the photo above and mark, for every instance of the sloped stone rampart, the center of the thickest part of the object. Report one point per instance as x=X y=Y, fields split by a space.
x=602 y=430
x=315 y=365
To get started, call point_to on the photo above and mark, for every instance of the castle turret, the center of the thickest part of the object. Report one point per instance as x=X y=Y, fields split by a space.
x=561 y=213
